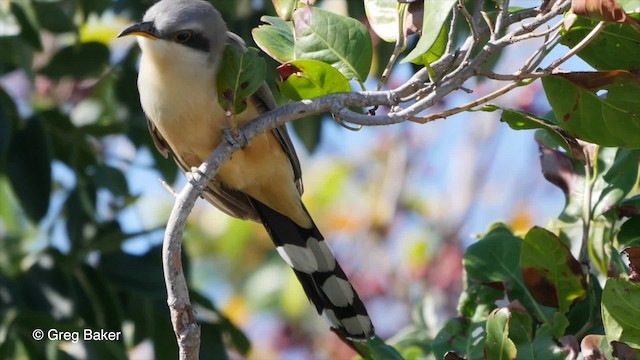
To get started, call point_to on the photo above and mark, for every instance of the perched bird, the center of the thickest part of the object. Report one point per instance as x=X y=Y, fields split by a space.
x=182 y=42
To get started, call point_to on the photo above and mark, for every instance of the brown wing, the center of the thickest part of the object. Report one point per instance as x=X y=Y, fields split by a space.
x=233 y=202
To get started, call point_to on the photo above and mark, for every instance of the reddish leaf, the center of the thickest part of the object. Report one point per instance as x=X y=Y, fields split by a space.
x=286 y=70
x=452 y=356
x=570 y=346
x=596 y=80
x=590 y=347
x=413 y=18
x=607 y=10
x=633 y=252
x=623 y=351
x=557 y=169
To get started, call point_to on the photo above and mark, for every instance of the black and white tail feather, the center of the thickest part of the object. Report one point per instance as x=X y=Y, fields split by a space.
x=321 y=276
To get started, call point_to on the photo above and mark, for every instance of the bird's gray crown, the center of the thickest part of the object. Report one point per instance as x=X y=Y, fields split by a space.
x=198 y=16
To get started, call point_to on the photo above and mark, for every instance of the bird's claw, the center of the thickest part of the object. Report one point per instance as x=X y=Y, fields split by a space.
x=235 y=138
x=192 y=178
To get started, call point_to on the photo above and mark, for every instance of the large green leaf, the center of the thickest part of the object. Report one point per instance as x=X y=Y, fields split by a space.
x=309 y=131
x=629 y=233
x=78 y=61
x=621 y=311
x=435 y=15
x=520 y=120
x=463 y=336
x=340 y=41
x=495 y=259
x=29 y=168
x=611 y=120
x=307 y=79
x=553 y=276
x=241 y=74
x=532 y=346
x=498 y=345
x=275 y=39
x=617 y=47
x=436 y=50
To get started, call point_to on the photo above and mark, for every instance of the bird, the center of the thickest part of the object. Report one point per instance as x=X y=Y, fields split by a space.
x=182 y=42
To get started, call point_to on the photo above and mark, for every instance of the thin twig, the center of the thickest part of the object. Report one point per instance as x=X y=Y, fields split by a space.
x=502 y=11
x=581 y=45
x=467 y=106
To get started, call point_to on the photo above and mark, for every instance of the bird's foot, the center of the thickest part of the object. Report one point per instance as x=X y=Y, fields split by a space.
x=193 y=179
x=235 y=138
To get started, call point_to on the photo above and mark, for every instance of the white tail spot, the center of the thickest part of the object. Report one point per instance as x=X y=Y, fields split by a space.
x=299 y=258
x=339 y=291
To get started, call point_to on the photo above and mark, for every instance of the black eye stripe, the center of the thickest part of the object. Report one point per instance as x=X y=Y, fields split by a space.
x=196 y=41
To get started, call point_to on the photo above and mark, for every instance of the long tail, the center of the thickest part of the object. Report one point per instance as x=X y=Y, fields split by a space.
x=322 y=278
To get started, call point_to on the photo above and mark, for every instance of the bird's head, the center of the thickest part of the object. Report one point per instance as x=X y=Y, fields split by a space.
x=182 y=32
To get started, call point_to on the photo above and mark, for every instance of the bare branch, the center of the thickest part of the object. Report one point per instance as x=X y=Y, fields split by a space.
x=581 y=45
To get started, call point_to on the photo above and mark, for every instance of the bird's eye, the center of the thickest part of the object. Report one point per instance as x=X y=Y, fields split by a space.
x=183 y=36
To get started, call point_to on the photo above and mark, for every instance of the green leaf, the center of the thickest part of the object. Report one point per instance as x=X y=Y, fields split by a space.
x=520 y=120
x=78 y=61
x=376 y=348
x=629 y=233
x=587 y=310
x=498 y=345
x=538 y=346
x=520 y=329
x=6 y=128
x=112 y=179
x=435 y=14
x=479 y=300
x=340 y=41
x=553 y=276
x=94 y=6
x=29 y=168
x=383 y=18
x=52 y=17
x=212 y=345
x=96 y=301
x=619 y=168
x=413 y=342
x=284 y=8
x=462 y=336
x=80 y=209
x=28 y=28
x=16 y=53
x=621 y=311
x=495 y=259
x=241 y=74
x=275 y=39
x=309 y=130
x=307 y=79
x=613 y=120
x=436 y=50
x=616 y=47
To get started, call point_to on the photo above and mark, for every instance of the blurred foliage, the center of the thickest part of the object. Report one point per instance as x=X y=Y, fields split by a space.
x=73 y=135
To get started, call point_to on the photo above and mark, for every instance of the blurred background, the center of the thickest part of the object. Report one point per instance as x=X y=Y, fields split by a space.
x=82 y=209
